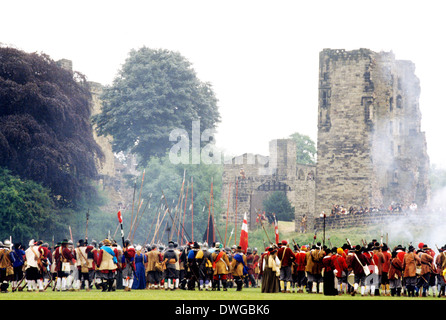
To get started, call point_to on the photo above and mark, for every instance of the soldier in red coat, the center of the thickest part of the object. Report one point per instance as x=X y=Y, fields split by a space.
x=286 y=257
x=341 y=270
x=45 y=258
x=385 y=258
x=128 y=265
x=251 y=269
x=64 y=259
x=300 y=269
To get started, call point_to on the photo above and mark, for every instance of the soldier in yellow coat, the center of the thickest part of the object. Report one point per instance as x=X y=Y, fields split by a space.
x=221 y=267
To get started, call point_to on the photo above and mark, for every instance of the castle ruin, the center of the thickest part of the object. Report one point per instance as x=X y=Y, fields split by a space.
x=371 y=151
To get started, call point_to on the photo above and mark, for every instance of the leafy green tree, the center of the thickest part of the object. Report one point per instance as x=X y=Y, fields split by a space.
x=305 y=148
x=45 y=129
x=279 y=204
x=26 y=208
x=155 y=92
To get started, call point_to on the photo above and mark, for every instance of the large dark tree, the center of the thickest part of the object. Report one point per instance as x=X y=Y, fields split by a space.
x=279 y=204
x=45 y=128
x=155 y=92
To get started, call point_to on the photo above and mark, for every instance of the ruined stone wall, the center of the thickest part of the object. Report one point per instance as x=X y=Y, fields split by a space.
x=107 y=166
x=265 y=175
x=344 y=168
x=371 y=151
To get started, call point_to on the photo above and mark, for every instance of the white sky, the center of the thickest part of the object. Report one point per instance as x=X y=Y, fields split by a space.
x=260 y=56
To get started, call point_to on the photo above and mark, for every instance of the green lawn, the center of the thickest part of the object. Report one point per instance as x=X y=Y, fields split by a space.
x=183 y=295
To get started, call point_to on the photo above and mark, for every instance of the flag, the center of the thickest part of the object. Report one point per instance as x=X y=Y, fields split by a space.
x=244 y=234
x=276 y=229
x=209 y=235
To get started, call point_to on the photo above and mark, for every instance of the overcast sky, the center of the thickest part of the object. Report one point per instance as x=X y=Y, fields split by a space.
x=260 y=56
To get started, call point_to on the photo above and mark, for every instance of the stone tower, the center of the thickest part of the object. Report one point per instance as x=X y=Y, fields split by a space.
x=370 y=150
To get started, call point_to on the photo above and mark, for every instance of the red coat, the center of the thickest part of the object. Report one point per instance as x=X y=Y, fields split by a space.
x=286 y=256
x=386 y=258
x=128 y=257
x=339 y=264
x=395 y=269
x=66 y=254
x=300 y=260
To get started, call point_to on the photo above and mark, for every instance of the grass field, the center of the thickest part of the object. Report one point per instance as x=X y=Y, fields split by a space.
x=182 y=295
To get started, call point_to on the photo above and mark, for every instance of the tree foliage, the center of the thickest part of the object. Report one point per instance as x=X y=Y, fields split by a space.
x=155 y=92
x=305 y=148
x=161 y=176
x=279 y=204
x=45 y=129
x=26 y=208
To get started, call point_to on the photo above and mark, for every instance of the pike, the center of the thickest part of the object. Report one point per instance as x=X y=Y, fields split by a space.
x=184 y=215
x=139 y=220
x=227 y=212
x=170 y=215
x=153 y=221
x=87 y=215
x=133 y=200
x=232 y=231
x=179 y=203
x=139 y=201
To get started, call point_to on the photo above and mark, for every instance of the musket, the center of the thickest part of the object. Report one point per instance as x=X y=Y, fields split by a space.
x=314 y=238
x=349 y=243
x=298 y=247
x=49 y=282
x=18 y=284
x=263 y=227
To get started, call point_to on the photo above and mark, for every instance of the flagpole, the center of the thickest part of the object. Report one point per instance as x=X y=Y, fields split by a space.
x=235 y=220
x=209 y=215
x=192 y=199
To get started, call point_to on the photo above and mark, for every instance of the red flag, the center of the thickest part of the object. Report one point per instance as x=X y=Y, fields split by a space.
x=119 y=216
x=244 y=234
x=276 y=229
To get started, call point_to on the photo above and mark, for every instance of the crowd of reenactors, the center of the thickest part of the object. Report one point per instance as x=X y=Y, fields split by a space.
x=367 y=269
